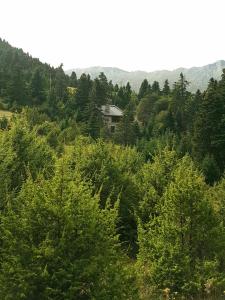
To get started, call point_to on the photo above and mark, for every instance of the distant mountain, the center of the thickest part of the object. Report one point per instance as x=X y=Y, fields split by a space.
x=197 y=76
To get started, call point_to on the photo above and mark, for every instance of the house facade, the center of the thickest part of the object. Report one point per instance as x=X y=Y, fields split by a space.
x=112 y=115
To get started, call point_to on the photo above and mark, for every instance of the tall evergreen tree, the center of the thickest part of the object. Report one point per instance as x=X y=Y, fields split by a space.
x=155 y=88
x=93 y=109
x=209 y=134
x=37 y=88
x=182 y=234
x=178 y=104
x=60 y=244
x=82 y=96
x=127 y=132
x=166 y=88
x=60 y=83
x=144 y=89
x=73 y=80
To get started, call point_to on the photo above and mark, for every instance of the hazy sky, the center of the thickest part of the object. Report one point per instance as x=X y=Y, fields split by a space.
x=129 y=34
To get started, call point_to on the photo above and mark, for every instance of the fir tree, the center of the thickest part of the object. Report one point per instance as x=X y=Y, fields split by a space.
x=144 y=89
x=166 y=88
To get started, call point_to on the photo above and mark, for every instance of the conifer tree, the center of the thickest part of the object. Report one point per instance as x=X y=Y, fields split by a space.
x=37 y=88
x=93 y=109
x=73 y=80
x=60 y=83
x=126 y=131
x=166 y=88
x=58 y=244
x=22 y=153
x=182 y=233
x=144 y=89
x=155 y=88
x=209 y=129
x=82 y=96
x=178 y=105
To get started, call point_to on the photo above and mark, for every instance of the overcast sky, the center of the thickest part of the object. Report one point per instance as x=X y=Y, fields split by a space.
x=129 y=34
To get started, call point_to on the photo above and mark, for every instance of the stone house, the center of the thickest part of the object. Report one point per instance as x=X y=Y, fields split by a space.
x=111 y=116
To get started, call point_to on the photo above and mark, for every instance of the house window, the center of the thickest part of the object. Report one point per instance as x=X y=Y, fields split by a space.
x=115 y=119
x=112 y=129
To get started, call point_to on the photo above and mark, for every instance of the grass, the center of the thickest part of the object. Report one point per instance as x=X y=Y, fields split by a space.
x=212 y=297
x=5 y=113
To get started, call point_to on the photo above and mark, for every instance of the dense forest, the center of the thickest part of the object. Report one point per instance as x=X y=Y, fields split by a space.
x=87 y=213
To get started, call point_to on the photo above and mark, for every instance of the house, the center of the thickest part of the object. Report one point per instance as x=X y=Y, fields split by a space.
x=111 y=115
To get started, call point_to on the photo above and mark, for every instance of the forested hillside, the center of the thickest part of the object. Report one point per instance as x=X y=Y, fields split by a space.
x=87 y=213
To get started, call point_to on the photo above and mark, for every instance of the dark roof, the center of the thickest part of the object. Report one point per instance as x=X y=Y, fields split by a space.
x=111 y=110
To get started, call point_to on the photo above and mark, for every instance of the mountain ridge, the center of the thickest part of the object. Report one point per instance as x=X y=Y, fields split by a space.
x=197 y=76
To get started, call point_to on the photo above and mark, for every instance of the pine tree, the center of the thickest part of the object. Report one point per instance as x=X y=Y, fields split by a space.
x=37 y=88
x=123 y=96
x=144 y=89
x=209 y=137
x=58 y=243
x=126 y=131
x=73 y=80
x=178 y=104
x=60 y=83
x=166 y=88
x=181 y=234
x=82 y=96
x=93 y=110
x=22 y=152
x=155 y=88
x=16 y=90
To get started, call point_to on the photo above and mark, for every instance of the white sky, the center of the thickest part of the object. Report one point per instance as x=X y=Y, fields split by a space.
x=129 y=34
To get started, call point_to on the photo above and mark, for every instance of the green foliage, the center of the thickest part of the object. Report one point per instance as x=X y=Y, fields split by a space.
x=122 y=96
x=22 y=153
x=210 y=169
x=127 y=131
x=210 y=124
x=145 y=88
x=81 y=96
x=110 y=169
x=166 y=88
x=122 y=217
x=4 y=123
x=37 y=87
x=178 y=230
x=155 y=88
x=179 y=104
x=60 y=244
x=73 y=80
x=145 y=108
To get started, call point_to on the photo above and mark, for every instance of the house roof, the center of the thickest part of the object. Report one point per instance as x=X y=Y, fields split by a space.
x=111 y=110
